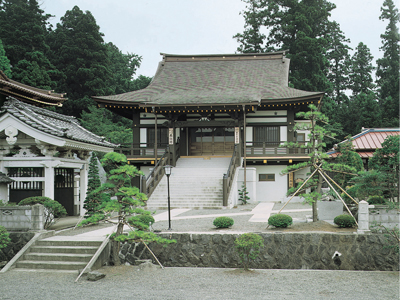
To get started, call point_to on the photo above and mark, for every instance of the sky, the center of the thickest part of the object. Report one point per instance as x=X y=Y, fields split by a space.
x=151 y=27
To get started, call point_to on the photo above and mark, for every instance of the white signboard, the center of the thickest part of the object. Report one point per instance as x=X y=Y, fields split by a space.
x=237 y=135
x=171 y=136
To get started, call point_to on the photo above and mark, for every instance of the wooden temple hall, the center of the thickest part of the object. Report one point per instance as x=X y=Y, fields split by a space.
x=237 y=106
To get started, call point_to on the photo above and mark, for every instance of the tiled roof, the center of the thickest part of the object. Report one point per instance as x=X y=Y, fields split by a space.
x=30 y=94
x=52 y=123
x=370 y=139
x=5 y=179
x=215 y=79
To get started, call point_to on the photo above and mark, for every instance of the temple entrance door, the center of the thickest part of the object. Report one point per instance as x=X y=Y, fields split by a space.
x=204 y=141
x=64 y=188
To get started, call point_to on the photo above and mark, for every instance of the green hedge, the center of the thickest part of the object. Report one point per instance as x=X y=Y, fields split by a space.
x=223 y=222
x=344 y=221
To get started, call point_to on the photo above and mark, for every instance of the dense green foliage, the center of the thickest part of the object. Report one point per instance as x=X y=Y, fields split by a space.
x=376 y=200
x=53 y=209
x=386 y=161
x=4 y=61
x=344 y=221
x=320 y=60
x=90 y=202
x=248 y=246
x=4 y=237
x=119 y=200
x=223 y=222
x=280 y=220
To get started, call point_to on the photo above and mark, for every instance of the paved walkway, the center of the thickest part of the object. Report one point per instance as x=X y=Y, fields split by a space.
x=256 y=213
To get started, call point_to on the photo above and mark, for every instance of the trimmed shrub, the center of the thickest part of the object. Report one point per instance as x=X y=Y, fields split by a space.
x=248 y=247
x=280 y=220
x=376 y=200
x=4 y=237
x=53 y=209
x=223 y=222
x=344 y=221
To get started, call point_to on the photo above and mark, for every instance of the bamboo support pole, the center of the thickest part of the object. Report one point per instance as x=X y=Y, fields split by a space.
x=320 y=172
x=341 y=189
x=300 y=188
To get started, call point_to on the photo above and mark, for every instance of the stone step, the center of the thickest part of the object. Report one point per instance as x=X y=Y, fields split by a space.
x=57 y=265
x=52 y=242
x=64 y=249
x=77 y=257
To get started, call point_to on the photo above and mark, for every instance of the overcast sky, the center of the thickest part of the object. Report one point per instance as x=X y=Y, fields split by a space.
x=149 y=27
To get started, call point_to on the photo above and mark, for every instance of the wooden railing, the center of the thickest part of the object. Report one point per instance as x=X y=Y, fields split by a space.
x=142 y=150
x=264 y=149
x=229 y=176
x=150 y=182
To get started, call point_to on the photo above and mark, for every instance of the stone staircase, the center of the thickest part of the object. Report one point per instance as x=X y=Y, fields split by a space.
x=58 y=255
x=194 y=183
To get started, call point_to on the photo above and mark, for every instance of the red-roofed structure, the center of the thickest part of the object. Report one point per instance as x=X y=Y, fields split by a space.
x=366 y=142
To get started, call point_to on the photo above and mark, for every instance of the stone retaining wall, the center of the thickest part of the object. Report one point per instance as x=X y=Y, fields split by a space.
x=280 y=251
x=18 y=241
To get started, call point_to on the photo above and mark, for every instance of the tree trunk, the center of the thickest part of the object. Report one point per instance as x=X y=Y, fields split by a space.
x=315 y=205
x=116 y=245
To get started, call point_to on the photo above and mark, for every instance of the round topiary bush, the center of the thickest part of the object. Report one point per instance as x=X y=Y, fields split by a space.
x=376 y=200
x=53 y=209
x=344 y=221
x=280 y=220
x=223 y=222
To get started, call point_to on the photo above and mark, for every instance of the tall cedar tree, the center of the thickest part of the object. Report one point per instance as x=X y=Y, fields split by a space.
x=23 y=30
x=299 y=26
x=118 y=196
x=388 y=66
x=362 y=109
x=79 y=52
x=93 y=183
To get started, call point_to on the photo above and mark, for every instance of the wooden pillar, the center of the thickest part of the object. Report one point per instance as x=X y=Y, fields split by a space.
x=136 y=131
x=290 y=125
x=244 y=145
x=155 y=136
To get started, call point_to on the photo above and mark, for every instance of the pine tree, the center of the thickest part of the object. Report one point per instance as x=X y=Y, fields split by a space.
x=388 y=66
x=118 y=196
x=315 y=147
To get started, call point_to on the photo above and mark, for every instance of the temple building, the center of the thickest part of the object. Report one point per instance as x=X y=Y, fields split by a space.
x=229 y=112
x=43 y=152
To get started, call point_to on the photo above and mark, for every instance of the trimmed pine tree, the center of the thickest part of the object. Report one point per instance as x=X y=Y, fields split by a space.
x=91 y=203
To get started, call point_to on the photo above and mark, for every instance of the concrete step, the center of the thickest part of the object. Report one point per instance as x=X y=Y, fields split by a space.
x=65 y=249
x=57 y=265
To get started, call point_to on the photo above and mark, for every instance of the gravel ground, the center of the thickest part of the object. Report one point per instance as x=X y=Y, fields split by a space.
x=131 y=282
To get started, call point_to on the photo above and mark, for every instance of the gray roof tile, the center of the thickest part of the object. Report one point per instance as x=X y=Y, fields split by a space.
x=51 y=122
x=215 y=79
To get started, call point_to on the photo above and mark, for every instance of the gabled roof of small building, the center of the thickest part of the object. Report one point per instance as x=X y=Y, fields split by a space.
x=52 y=123
x=5 y=179
x=29 y=94
x=223 y=79
x=370 y=139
